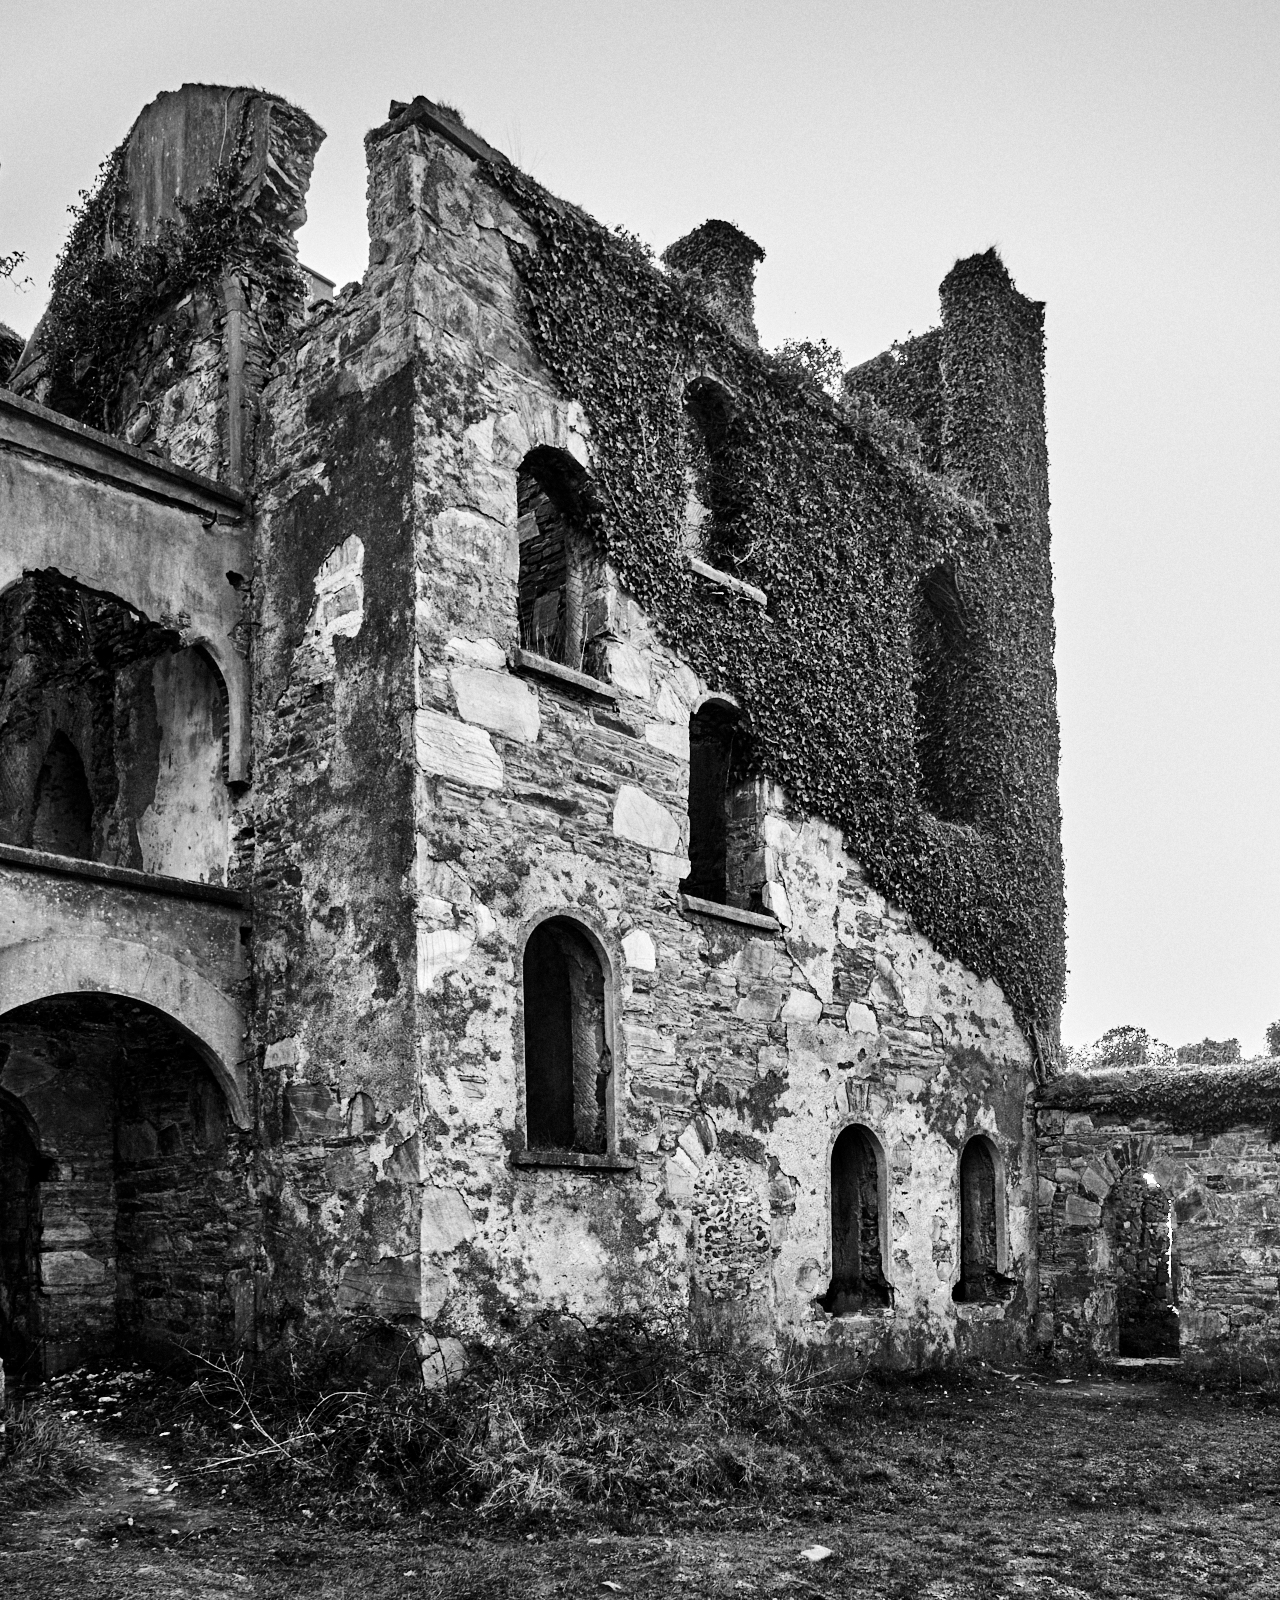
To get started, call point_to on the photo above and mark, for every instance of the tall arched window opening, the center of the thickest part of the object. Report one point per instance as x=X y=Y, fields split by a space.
x=707 y=482
x=980 y=1275
x=1138 y=1223
x=858 y=1281
x=940 y=645
x=63 y=821
x=563 y=611
x=568 y=1062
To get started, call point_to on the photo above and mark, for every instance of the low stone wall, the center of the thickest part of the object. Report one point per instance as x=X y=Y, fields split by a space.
x=1207 y=1137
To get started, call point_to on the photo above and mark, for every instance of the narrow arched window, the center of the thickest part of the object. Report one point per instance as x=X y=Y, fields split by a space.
x=706 y=432
x=980 y=1275
x=940 y=645
x=63 y=821
x=562 y=606
x=711 y=738
x=858 y=1281
x=568 y=1062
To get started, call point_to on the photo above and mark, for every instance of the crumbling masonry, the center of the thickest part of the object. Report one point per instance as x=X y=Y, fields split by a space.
x=397 y=930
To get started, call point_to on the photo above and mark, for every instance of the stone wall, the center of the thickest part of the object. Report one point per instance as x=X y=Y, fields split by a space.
x=1205 y=1137
x=741 y=1045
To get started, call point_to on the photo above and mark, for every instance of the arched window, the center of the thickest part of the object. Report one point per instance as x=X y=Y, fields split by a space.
x=562 y=605
x=568 y=1062
x=858 y=1281
x=980 y=1221
x=63 y=821
x=707 y=414
x=940 y=647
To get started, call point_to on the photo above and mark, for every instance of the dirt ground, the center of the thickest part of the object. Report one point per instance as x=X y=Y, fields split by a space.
x=1034 y=1487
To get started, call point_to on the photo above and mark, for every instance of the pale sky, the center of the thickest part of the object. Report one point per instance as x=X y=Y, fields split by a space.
x=1121 y=155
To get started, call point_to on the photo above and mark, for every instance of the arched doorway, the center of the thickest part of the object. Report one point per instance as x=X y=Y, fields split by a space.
x=130 y=1227
x=1137 y=1221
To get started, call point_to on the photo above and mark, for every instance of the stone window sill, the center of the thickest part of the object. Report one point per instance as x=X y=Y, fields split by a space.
x=712 y=908
x=579 y=1159
x=726 y=580
x=542 y=667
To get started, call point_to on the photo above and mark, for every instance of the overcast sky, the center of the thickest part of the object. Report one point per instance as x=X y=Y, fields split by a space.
x=1121 y=155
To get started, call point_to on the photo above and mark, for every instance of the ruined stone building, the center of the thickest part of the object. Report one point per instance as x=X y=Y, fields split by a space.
x=512 y=797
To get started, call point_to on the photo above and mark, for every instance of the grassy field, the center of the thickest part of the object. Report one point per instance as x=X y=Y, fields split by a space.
x=994 y=1485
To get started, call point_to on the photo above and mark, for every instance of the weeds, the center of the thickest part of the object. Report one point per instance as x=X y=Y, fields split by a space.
x=624 y=1417
x=41 y=1459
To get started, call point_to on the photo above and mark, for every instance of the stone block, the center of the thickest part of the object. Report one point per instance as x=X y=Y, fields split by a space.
x=1095 y=1182
x=639 y=817
x=447 y=748
x=628 y=670
x=64 y=1270
x=801 y=1006
x=311 y=1111
x=496 y=701
x=774 y=899
x=443 y=1363
x=673 y=737
x=390 y=1287
x=861 y=1019
x=446 y=1220
x=639 y=951
x=1081 y=1213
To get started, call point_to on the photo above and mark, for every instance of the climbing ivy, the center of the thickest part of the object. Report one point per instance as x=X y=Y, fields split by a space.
x=835 y=515
x=110 y=287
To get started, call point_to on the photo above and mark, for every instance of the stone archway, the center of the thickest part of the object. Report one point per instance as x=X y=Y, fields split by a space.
x=129 y=1223
x=42 y=968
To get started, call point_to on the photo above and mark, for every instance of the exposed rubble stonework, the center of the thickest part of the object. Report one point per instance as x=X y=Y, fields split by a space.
x=434 y=949
x=1201 y=1142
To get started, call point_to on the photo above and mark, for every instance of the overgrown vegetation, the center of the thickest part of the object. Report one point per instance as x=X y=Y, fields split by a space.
x=110 y=285
x=832 y=511
x=40 y=1458
x=624 y=1417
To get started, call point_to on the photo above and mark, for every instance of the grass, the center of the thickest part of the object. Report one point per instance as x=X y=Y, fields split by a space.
x=41 y=1460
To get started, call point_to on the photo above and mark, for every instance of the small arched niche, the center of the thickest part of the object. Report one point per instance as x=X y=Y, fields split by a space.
x=63 y=818
x=858 y=1236
x=562 y=598
x=982 y=1224
x=568 y=1049
x=941 y=649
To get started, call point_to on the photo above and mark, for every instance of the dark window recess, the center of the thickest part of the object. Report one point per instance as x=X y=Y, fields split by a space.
x=858 y=1282
x=980 y=1278
x=707 y=478
x=567 y=1061
x=941 y=659
x=1138 y=1218
x=63 y=821
x=726 y=862
x=562 y=608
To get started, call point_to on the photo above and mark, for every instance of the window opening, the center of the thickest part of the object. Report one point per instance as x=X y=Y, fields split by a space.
x=63 y=821
x=858 y=1282
x=707 y=481
x=1138 y=1220
x=980 y=1277
x=567 y=1060
x=561 y=603
x=20 y=1171
x=726 y=862
x=940 y=651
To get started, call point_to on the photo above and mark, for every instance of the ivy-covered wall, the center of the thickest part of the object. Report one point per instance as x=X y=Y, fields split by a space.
x=837 y=514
